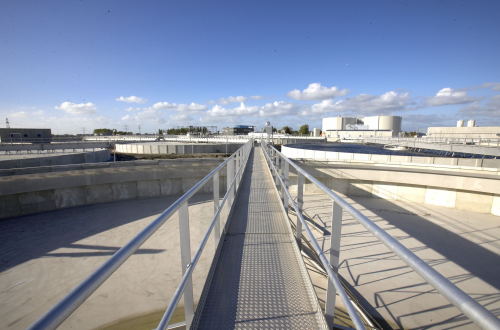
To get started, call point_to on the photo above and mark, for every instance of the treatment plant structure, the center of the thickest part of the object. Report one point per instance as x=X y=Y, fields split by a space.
x=264 y=237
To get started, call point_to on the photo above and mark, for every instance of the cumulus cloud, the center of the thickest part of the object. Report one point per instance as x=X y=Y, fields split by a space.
x=232 y=99
x=149 y=115
x=179 y=107
x=132 y=109
x=78 y=109
x=132 y=99
x=449 y=96
x=181 y=118
x=279 y=108
x=211 y=102
x=242 y=110
x=412 y=121
x=316 y=92
x=366 y=104
x=491 y=109
x=257 y=97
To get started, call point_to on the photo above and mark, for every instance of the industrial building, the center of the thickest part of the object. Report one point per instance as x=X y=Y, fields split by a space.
x=471 y=131
x=373 y=126
x=238 y=130
x=25 y=135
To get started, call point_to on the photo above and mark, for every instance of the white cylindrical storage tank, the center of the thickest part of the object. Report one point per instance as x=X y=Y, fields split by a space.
x=471 y=123
x=317 y=132
x=460 y=123
x=392 y=123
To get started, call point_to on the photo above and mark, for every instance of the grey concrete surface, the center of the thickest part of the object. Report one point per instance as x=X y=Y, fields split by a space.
x=46 y=255
x=97 y=183
x=14 y=147
x=297 y=153
x=477 y=191
x=461 y=148
x=176 y=148
x=23 y=160
x=463 y=246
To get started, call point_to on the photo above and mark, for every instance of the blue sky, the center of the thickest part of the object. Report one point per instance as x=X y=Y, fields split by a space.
x=73 y=64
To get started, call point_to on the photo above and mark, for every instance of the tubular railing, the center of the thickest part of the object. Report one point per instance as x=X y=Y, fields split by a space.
x=66 y=306
x=468 y=306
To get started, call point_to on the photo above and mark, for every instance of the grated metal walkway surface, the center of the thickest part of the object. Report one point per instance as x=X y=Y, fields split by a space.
x=259 y=281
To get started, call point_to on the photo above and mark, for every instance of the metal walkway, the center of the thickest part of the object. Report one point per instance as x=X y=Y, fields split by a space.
x=259 y=280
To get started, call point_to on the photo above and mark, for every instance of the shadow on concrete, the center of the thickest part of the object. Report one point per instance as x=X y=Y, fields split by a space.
x=36 y=236
x=477 y=260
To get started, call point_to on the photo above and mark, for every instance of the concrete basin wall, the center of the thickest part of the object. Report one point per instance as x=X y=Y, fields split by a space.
x=297 y=153
x=57 y=159
x=165 y=148
x=32 y=193
x=476 y=192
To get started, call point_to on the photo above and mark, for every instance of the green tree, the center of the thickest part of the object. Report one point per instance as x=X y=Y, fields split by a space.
x=287 y=130
x=304 y=129
x=275 y=130
x=160 y=131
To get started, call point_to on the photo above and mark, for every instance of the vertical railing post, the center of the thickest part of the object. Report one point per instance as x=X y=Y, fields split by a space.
x=216 y=208
x=230 y=176
x=277 y=166
x=235 y=164
x=240 y=162
x=286 y=185
x=300 y=206
x=186 y=262
x=281 y=173
x=335 y=236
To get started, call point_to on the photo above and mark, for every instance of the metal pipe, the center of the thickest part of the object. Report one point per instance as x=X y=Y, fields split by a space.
x=66 y=306
x=468 y=306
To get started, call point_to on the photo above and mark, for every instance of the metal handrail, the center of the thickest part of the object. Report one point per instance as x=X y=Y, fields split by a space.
x=66 y=306
x=467 y=305
x=331 y=275
x=190 y=268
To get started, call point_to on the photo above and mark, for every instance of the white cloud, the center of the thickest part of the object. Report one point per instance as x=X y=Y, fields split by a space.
x=78 y=109
x=279 y=108
x=132 y=109
x=412 y=121
x=179 y=107
x=242 y=110
x=491 y=109
x=316 y=92
x=366 y=104
x=149 y=115
x=211 y=102
x=38 y=113
x=449 y=96
x=19 y=114
x=493 y=85
x=257 y=97
x=132 y=99
x=232 y=99
x=181 y=118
